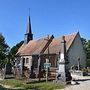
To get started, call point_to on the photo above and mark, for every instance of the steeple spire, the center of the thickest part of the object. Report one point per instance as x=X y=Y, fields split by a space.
x=29 y=26
x=28 y=35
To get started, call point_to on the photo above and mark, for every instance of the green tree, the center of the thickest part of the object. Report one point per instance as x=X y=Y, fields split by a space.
x=88 y=52
x=4 y=48
x=14 y=50
x=86 y=44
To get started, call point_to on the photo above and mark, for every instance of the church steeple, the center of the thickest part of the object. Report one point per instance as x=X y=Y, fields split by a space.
x=29 y=26
x=28 y=35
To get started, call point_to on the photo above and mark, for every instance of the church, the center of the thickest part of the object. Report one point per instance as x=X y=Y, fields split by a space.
x=35 y=52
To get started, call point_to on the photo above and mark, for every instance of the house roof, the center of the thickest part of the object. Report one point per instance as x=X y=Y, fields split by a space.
x=36 y=46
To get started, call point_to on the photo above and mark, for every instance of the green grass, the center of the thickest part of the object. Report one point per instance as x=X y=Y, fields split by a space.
x=38 y=85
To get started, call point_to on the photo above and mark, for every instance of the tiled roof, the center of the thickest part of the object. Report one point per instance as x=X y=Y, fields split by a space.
x=36 y=46
x=33 y=47
x=55 y=46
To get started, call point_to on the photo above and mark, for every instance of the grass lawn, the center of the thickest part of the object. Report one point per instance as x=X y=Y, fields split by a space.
x=38 y=85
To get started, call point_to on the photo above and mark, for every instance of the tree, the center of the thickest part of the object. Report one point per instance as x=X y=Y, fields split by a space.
x=88 y=53
x=4 y=48
x=84 y=42
x=86 y=45
x=14 y=50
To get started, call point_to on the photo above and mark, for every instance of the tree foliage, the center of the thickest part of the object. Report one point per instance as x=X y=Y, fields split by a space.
x=14 y=50
x=87 y=48
x=4 y=48
x=88 y=53
x=84 y=42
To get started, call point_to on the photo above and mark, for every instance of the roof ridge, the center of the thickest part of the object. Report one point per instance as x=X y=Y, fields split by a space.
x=71 y=33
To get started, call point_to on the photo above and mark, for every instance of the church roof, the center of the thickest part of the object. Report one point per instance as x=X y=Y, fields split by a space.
x=35 y=47
x=55 y=46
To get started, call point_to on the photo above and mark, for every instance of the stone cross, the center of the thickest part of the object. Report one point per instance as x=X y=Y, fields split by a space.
x=63 y=65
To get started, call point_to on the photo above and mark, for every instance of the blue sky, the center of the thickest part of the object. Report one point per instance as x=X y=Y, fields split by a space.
x=56 y=17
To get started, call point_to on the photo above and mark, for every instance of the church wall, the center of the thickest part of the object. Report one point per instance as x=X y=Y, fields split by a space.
x=52 y=60
x=33 y=60
x=28 y=61
x=77 y=51
x=43 y=60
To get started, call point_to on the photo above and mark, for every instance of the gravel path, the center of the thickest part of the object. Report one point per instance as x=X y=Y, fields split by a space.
x=84 y=84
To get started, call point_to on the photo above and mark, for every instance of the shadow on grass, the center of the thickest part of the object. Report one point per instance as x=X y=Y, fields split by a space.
x=37 y=81
x=35 y=85
x=3 y=88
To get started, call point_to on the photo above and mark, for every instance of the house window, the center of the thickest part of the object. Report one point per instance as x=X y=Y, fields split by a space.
x=27 y=60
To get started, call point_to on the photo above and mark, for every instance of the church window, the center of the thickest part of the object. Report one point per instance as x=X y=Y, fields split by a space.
x=27 y=60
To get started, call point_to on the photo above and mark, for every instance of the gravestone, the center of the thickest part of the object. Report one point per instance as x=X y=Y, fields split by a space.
x=9 y=68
